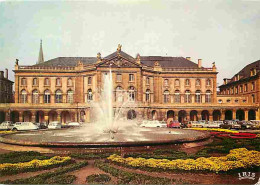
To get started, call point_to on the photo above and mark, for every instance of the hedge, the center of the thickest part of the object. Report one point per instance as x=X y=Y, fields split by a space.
x=55 y=177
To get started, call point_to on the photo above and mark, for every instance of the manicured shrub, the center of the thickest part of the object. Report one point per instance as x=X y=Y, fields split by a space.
x=19 y=157
x=34 y=165
x=125 y=177
x=88 y=156
x=98 y=178
x=237 y=159
x=56 y=177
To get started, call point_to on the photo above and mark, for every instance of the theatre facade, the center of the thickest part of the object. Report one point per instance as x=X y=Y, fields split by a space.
x=163 y=88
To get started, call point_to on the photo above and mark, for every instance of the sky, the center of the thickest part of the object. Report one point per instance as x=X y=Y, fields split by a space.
x=225 y=32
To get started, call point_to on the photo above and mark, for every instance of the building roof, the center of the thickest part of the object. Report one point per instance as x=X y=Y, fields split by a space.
x=168 y=61
x=246 y=71
x=146 y=60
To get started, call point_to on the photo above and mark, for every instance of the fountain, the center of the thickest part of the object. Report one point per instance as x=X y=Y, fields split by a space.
x=110 y=129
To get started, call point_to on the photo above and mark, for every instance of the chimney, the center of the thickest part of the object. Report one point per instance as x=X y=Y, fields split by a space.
x=6 y=73
x=188 y=58
x=199 y=63
x=1 y=74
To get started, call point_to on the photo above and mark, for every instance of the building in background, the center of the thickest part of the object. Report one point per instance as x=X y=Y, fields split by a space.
x=243 y=88
x=6 y=92
x=163 y=88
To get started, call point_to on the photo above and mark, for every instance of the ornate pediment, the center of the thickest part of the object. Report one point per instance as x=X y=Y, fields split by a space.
x=118 y=62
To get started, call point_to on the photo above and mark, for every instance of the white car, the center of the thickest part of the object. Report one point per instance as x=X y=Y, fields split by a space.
x=6 y=125
x=54 y=125
x=73 y=124
x=24 y=126
x=154 y=123
x=214 y=124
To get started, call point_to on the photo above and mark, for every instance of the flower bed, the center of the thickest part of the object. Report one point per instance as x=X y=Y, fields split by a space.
x=20 y=157
x=237 y=158
x=98 y=178
x=56 y=177
x=215 y=129
x=7 y=132
x=125 y=177
x=8 y=168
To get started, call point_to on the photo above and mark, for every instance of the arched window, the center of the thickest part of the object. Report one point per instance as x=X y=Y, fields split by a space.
x=46 y=81
x=198 y=82
x=58 y=96
x=187 y=82
x=166 y=82
x=89 y=95
x=35 y=81
x=197 y=97
x=35 y=97
x=23 y=81
x=89 y=80
x=148 y=95
x=166 y=96
x=70 y=96
x=187 y=97
x=119 y=94
x=58 y=82
x=47 y=96
x=131 y=94
x=177 y=82
x=23 y=96
x=147 y=80
x=69 y=82
x=208 y=82
x=177 y=96
x=208 y=96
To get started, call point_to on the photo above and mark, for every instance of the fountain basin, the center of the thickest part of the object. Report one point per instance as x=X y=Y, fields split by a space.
x=88 y=138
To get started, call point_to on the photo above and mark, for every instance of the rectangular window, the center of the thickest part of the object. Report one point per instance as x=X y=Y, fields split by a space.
x=119 y=78
x=131 y=78
x=245 y=87
x=47 y=98
x=253 y=86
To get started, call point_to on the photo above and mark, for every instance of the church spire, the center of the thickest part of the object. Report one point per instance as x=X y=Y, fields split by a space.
x=40 y=59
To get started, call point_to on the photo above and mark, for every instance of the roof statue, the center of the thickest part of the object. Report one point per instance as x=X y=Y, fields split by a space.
x=213 y=64
x=40 y=59
x=138 y=58
x=99 y=56
x=119 y=47
x=16 y=62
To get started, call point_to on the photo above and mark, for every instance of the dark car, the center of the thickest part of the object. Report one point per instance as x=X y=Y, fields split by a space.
x=42 y=125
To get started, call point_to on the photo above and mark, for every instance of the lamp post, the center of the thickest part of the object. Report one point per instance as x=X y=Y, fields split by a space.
x=77 y=111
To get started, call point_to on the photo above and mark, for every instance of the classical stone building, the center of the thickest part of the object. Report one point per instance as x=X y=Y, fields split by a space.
x=243 y=88
x=162 y=88
x=6 y=91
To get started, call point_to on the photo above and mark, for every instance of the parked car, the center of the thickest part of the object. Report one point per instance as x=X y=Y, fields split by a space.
x=196 y=124
x=174 y=124
x=54 y=125
x=214 y=124
x=163 y=123
x=154 y=123
x=256 y=123
x=42 y=125
x=24 y=126
x=73 y=124
x=6 y=125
